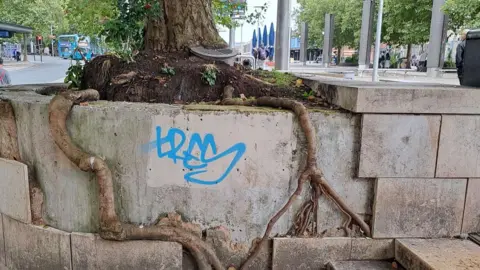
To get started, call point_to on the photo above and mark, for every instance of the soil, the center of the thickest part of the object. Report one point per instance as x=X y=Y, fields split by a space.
x=146 y=80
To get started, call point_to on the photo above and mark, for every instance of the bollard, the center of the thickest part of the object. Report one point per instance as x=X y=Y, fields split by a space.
x=471 y=66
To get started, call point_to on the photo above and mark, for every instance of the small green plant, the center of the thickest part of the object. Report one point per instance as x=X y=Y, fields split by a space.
x=168 y=70
x=74 y=75
x=209 y=76
x=308 y=95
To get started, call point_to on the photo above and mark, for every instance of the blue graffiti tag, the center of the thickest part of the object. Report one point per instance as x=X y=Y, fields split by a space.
x=176 y=139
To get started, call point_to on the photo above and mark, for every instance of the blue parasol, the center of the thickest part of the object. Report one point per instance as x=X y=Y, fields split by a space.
x=259 y=37
x=265 y=36
x=271 y=40
x=254 y=40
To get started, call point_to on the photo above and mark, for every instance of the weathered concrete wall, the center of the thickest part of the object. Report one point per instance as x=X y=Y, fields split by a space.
x=231 y=167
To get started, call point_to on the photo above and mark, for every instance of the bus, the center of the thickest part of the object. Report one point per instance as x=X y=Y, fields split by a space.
x=67 y=44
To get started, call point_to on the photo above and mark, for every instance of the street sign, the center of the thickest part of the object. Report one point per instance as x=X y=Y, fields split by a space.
x=5 y=34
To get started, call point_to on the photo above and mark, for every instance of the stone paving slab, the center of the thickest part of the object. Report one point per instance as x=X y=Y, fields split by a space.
x=309 y=253
x=372 y=249
x=471 y=216
x=418 y=207
x=89 y=251
x=2 y=244
x=398 y=145
x=14 y=192
x=459 y=146
x=315 y=253
x=360 y=265
x=437 y=254
x=30 y=247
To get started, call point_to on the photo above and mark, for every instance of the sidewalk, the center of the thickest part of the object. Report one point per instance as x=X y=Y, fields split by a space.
x=14 y=65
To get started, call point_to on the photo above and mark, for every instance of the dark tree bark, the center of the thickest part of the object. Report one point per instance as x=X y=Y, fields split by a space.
x=183 y=24
x=409 y=56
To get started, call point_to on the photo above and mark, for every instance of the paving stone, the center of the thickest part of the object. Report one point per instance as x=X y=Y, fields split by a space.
x=372 y=249
x=399 y=145
x=418 y=207
x=2 y=244
x=89 y=251
x=14 y=194
x=459 y=147
x=30 y=247
x=309 y=253
x=471 y=216
x=437 y=254
x=360 y=265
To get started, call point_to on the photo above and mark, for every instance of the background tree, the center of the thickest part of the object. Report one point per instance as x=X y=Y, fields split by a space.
x=348 y=17
x=462 y=14
x=407 y=22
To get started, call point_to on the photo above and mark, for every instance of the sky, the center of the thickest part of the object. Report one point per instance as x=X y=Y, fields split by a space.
x=270 y=16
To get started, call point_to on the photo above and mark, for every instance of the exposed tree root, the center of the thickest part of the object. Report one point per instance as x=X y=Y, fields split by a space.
x=311 y=171
x=110 y=225
x=9 y=150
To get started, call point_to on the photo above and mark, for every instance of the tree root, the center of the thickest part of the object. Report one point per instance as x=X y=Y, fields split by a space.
x=110 y=226
x=311 y=172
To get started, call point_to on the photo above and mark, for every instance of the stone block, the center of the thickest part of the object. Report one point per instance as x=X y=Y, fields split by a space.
x=437 y=254
x=89 y=251
x=459 y=147
x=394 y=97
x=2 y=244
x=338 y=145
x=309 y=253
x=14 y=192
x=418 y=207
x=471 y=216
x=30 y=247
x=360 y=265
x=399 y=145
x=372 y=249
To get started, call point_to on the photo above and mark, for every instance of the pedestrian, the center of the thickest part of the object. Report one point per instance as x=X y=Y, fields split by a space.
x=382 y=60
x=262 y=56
x=422 y=66
x=4 y=75
x=387 y=60
x=18 y=56
x=460 y=60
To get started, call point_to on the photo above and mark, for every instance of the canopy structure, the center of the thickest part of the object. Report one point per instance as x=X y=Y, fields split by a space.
x=15 y=28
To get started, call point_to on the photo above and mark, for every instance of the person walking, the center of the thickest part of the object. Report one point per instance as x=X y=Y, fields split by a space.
x=4 y=75
x=387 y=60
x=460 y=58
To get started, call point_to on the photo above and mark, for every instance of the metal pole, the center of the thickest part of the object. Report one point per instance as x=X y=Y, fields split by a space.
x=377 y=42
x=365 y=49
x=51 y=33
x=282 y=40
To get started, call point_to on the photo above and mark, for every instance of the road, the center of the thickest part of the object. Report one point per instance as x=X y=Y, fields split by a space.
x=51 y=70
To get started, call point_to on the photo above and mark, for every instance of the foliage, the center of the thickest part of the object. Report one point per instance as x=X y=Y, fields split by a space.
x=222 y=11
x=209 y=75
x=89 y=16
x=348 y=17
x=39 y=15
x=74 y=75
x=308 y=95
x=125 y=32
x=352 y=60
x=168 y=70
x=462 y=14
x=276 y=77
x=407 y=21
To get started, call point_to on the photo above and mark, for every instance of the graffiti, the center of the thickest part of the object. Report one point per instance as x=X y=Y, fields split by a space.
x=175 y=140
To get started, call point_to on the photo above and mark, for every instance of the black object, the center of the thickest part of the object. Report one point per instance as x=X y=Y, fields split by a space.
x=471 y=65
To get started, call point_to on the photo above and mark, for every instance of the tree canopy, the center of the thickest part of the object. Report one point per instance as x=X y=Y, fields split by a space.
x=463 y=14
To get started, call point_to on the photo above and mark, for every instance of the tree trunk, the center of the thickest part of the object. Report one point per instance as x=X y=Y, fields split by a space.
x=409 y=56
x=183 y=24
x=339 y=55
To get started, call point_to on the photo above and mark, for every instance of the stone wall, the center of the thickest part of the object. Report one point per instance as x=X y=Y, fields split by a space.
x=229 y=167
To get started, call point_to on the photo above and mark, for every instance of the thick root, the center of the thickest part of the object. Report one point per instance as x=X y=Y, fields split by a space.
x=311 y=172
x=111 y=227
